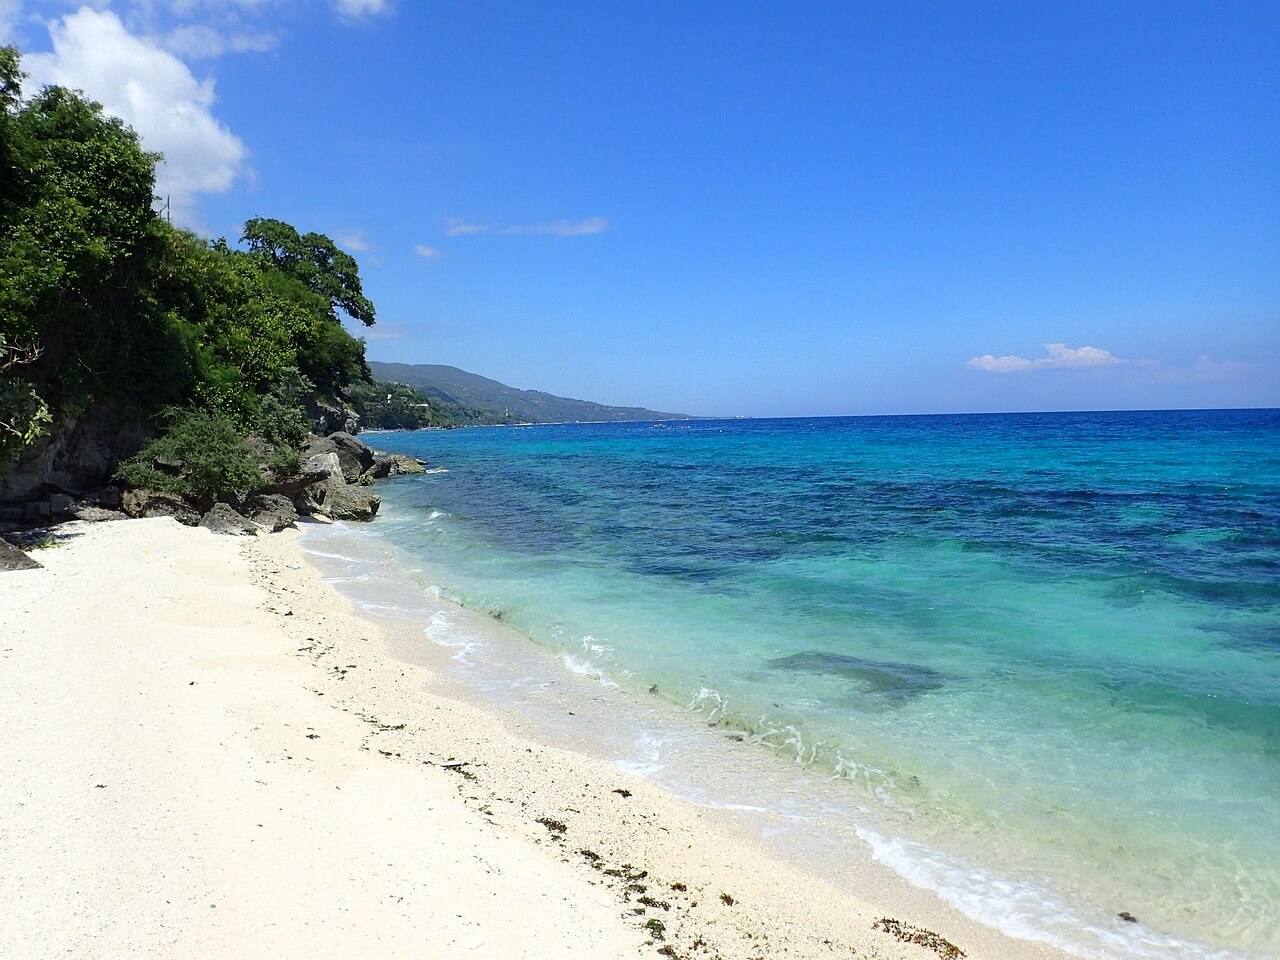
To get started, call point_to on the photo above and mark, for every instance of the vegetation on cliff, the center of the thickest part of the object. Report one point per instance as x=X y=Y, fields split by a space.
x=398 y=406
x=102 y=300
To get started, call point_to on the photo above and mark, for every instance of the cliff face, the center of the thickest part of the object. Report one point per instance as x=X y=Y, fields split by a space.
x=80 y=453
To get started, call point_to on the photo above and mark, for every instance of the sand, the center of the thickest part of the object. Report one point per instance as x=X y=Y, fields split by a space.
x=205 y=751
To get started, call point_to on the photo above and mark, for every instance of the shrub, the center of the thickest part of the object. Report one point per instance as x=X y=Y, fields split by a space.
x=201 y=454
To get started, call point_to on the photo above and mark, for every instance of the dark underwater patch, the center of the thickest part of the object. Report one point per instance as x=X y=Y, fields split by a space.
x=888 y=677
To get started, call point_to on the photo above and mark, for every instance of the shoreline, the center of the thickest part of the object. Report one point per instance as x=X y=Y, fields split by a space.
x=218 y=654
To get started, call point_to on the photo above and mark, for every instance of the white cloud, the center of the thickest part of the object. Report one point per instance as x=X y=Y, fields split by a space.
x=197 y=41
x=422 y=250
x=564 y=228
x=355 y=9
x=353 y=241
x=151 y=90
x=457 y=227
x=1060 y=357
x=10 y=12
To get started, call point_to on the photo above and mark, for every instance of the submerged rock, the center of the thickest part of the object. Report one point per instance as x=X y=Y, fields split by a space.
x=11 y=558
x=222 y=518
x=874 y=676
x=157 y=503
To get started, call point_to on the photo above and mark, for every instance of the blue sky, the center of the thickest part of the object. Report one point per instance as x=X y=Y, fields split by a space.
x=743 y=208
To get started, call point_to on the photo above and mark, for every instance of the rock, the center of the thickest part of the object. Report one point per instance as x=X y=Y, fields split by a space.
x=394 y=465
x=60 y=503
x=78 y=452
x=322 y=466
x=354 y=456
x=157 y=503
x=326 y=418
x=345 y=501
x=97 y=514
x=11 y=558
x=271 y=510
x=223 y=519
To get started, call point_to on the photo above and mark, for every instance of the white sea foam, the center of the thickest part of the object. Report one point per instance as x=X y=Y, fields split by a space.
x=1025 y=910
x=444 y=632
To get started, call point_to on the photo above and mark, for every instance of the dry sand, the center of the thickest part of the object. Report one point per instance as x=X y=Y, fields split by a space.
x=205 y=751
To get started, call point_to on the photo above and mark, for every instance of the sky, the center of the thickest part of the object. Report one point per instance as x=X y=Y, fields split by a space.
x=757 y=209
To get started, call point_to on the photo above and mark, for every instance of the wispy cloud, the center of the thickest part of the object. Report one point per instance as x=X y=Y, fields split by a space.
x=1059 y=357
x=353 y=241
x=428 y=253
x=356 y=9
x=458 y=227
x=564 y=228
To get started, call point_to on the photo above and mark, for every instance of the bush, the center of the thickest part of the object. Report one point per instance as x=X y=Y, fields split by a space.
x=201 y=455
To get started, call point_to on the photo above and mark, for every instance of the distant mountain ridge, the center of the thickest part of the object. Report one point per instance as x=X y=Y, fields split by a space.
x=452 y=385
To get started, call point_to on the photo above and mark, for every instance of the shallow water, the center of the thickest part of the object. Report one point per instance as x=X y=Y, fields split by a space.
x=1040 y=648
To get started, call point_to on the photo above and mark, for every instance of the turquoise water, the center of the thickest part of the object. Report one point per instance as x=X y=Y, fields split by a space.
x=1048 y=644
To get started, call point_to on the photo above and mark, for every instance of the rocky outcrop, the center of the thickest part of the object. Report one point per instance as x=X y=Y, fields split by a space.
x=80 y=453
x=11 y=558
x=157 y=503
x=394 y=465
x=272 y=511
x=222 y=518
x=353 y=455
x=327 y=418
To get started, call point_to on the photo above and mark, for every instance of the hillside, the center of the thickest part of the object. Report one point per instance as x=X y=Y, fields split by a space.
x=454 y=386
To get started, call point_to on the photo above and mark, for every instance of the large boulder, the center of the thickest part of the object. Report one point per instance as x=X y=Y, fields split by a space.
x=222 y=518
x=327 y=418
x=345 y=501
x=354 y=455
x=271 y=510
x=11 y=558
x=157 y=503
x=339 y=500
x=394 y=465
x=312 y=470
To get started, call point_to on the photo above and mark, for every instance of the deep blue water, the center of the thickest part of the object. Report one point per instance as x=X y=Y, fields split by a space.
x=1047 y=642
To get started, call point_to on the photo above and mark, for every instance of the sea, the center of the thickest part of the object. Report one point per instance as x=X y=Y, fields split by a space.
x=1032 y=661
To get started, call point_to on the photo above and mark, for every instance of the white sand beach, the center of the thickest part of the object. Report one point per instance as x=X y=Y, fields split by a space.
x=205 y=751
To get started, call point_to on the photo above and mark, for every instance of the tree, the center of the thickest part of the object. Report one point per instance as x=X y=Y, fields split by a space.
x=315 y=261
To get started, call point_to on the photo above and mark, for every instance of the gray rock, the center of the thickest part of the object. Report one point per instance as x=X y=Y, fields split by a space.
x=156 y=503
x=322 y=466
x=326 y=418
x=79 y=452
x=223 y=519
x=97 y=514
x=11 y=558
x=345 y=501
x=271 y=510
x=354 y=456
x=395 y=465
x=61 y=503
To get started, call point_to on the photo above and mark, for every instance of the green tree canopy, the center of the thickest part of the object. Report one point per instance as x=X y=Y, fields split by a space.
x=315 y=261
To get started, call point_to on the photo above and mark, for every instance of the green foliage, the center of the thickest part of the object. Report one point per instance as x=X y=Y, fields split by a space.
x=109 y=301
x=315 y=261
x=201 y=454
x=23 y=414
x=398 y=406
